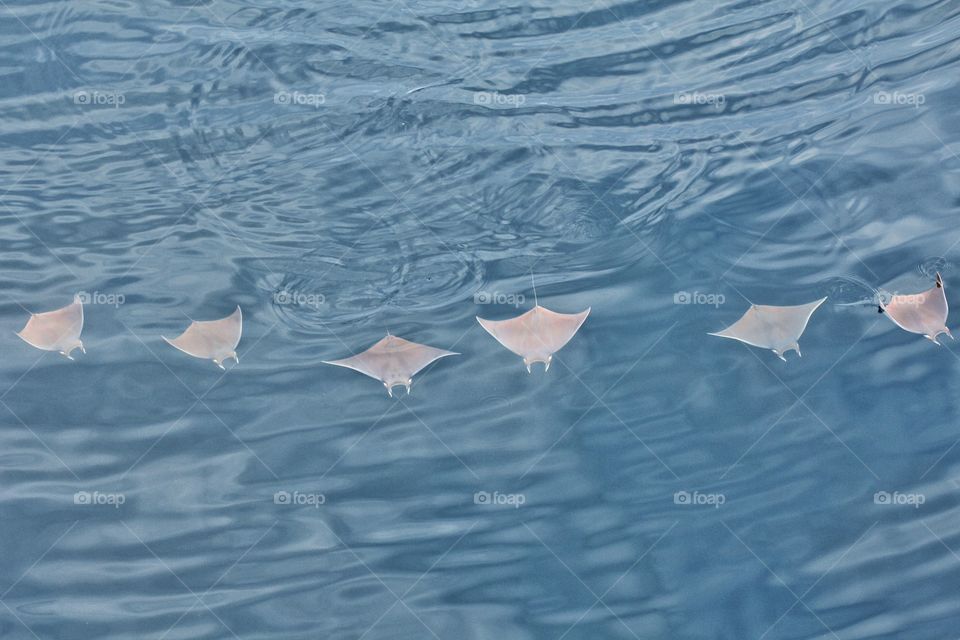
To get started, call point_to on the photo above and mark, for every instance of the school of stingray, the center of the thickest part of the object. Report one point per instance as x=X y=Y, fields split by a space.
x=534 y=335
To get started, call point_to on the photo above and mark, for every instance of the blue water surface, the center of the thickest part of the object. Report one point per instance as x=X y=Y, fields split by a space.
x=344 y=169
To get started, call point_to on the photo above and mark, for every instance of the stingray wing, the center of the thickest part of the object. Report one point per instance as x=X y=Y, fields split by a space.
x=211 y=339
x=787 y=324
x=412 y=357
x=536 y=330
x=514 y=333
x=750 y=328
x=771 y=327
x=392 y=357
x=369 y=364
x=54 y=330
x=554 y=330
x=924 y=312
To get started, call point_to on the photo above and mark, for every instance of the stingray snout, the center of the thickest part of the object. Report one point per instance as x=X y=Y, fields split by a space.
x=546 y=360
x=67 y=353
x=398 y=383
x=782 y=353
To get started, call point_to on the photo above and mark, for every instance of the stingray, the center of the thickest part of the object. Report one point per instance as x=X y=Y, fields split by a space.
x=56 y=330
x=771 y=327
x=393 y=361
x=924 y=313
x=537 y=334
x=215 y=340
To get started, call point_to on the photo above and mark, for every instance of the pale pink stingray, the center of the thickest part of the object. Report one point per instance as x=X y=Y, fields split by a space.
x=537 y=334
x=215 y=340
x=924 y=313
x=56 y=330
x=770 y=327
x=393 y=361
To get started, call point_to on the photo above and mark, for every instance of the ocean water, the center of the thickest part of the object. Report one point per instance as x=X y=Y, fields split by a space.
x=340 y=170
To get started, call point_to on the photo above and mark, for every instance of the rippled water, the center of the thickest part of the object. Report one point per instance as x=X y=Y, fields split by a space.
x=344 y=169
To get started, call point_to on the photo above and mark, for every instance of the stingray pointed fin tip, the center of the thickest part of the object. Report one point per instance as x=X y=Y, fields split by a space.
x=27 y=340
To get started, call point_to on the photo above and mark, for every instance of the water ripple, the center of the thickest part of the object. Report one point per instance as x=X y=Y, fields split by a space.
x=343 y=171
